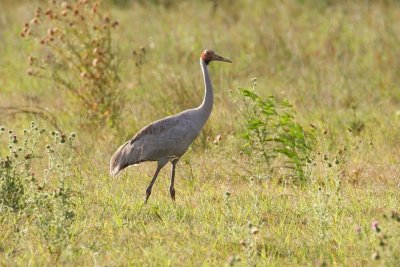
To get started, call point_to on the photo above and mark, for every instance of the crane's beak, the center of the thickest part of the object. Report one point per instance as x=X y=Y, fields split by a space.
x=219 y=58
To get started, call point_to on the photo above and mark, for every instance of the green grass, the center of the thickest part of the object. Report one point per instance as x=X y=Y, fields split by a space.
x=336 y=61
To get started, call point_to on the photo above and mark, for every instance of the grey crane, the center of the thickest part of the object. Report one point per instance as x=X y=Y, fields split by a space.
x=166 y=140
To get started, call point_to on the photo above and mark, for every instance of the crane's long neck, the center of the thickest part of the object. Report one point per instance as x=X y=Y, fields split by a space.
x=204 y=110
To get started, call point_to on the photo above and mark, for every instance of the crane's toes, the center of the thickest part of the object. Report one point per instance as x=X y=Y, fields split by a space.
x=148 y=193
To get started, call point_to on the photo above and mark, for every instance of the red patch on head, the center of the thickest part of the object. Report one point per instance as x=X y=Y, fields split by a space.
x=207 y=55
x=203 y=54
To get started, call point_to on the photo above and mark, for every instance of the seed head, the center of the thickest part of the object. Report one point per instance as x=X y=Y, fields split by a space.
x=375 y=256
x=95 y=62
x=396 y=216
x=115 y=24
x=35 y=21
x=254 y=230
x=65 y=5
x=31 y=60
x=375 y=226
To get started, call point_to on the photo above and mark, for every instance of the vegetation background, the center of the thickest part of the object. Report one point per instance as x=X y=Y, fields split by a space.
x=337 y=62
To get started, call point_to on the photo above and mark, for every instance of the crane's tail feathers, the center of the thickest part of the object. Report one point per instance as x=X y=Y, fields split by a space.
x=121 y=159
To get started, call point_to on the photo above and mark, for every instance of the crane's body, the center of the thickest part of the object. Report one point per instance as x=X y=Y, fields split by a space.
x=162 y=141
x=168 y=139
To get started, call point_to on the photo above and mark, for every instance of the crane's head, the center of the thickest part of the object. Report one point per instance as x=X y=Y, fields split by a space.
x=209 y=55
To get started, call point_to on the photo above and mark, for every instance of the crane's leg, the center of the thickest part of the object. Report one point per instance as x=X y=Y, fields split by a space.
x=148 y=190
x=171 y=187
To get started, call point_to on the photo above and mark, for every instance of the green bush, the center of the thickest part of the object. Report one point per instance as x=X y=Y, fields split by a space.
x=34 y=188
x=273 y=135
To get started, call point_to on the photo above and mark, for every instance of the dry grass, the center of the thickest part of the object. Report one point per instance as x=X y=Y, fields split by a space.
x=336 y=61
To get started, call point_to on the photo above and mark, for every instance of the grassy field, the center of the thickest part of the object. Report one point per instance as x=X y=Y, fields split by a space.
x=337 y=62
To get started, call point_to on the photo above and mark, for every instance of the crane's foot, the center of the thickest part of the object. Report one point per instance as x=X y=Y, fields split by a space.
x=172 y=192
x=148 y=193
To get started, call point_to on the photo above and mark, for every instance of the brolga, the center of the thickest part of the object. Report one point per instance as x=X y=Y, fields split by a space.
x=166 y=140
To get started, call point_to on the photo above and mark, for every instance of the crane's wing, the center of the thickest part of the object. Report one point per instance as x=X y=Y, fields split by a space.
x=166 y=138
x=156 y=128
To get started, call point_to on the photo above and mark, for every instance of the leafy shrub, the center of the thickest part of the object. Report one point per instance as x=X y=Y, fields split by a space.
x=78 y=56
x=272 y=134
x=33 y=184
